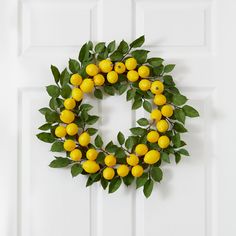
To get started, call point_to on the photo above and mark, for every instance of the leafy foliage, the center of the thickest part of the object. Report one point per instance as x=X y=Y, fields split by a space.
x=122 y=147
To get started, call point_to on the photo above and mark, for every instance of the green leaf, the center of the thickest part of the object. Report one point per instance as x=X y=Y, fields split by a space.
x=98 y=141
x=140 y=181
x=123 y=47
x=169 y=68
x=177 y=158
x=130 y=142
x=122 y=88
x=90 y=45
x=44 y=127
x=179 y=128
x=147 y=106
x=85 y=107
x=46 y=137
x=190 y=111
x=130 y=94
x=92 y=131
x=138 y=42
x=179 y=115
x=57 y=147
x=158 y=70
x=143 y=122
x=138 y=131
x=53 y=91
x=98 y=93
x=66 y=91
x=93 y=178
x=128 y=179
x=179 y=99
x=114 y=184
x=148 y=187
x=116 y=56
x=51 y=116
x=109 y=90
x=44 y=110
x=104 y=183
x=56 y=73
x=140 y=55
x=74 y=66
x=100 y=158
x=111 y=46
x=165 y=157
x=60 y=162
x=84 y=115
x=65 y=77
x=176 y=140
x=120 y=153
x=168 y=80
x=92 y=120
x=183 y=151
x=137 y=104
x=155 y=61
x=121 y=138
x=100 y=47
x=156 y=173
x=76 y=169
x=84 y=53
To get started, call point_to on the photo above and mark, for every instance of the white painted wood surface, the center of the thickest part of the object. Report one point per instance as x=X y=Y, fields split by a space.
x=197 y=197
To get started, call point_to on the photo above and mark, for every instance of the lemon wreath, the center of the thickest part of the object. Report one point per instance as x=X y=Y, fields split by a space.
x=109 y=69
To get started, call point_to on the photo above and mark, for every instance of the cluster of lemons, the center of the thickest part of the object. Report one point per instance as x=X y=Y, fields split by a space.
x=97 y=75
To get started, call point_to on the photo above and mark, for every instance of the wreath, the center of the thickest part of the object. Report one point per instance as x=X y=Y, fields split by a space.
x=107 y=69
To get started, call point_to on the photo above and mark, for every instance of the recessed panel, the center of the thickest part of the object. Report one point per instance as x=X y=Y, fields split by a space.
x=171 y=25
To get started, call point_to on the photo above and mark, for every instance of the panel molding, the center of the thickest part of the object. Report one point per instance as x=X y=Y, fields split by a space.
x=73 y=37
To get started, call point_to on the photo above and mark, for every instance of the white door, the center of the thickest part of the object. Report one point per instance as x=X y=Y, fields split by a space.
x=196 y=197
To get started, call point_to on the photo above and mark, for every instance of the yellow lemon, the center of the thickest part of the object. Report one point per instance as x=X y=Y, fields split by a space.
x=159 y=99
x=123 y=170
x=131 y=63
x=98 y=79
x=69 y=145
x=76 y=155
x=87 y=85
x=112 y=77
x=144 y=84
x=137 y=171
x=132 y=75
x=156 y=114
x=84 y=139
x=69 y=103
x=110 y=160
x=60 y=131
x=167 y=110
x=162 y=126
x=72 y=129
x=157 y=87
x=152 y=157
x=77 y=94
x=163 y=141
x=152 y=136
x=119 y=67
x=105 y=66
x=141 y=149
x=91 y=154
x=76 y=79
x=91 y=167
x=108 y=173
x=91 y=69
x=143 y=71
x=67 y=116
x=132 y=160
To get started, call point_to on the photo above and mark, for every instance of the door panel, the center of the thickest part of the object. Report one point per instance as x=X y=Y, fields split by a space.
x=196 y=197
